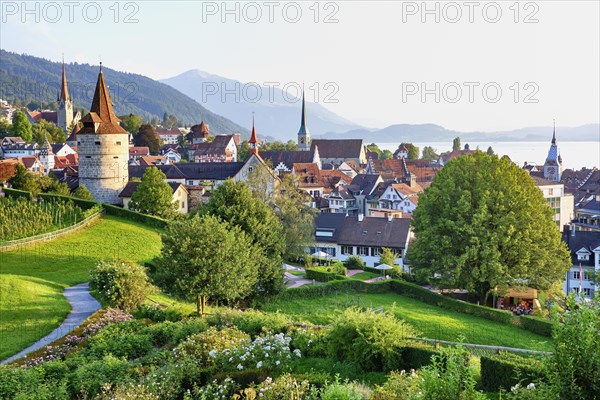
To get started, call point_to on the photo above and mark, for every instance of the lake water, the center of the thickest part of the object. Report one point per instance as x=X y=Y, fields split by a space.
x=575 y=155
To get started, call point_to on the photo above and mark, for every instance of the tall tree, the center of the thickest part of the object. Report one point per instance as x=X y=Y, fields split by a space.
x=147 y=136
x=456 y=144
x=467 y=147
x=204 y=258
x=21 y=127
x=234 y=203
x=4 y=126
x=430 y=154
x=490 y=151
x=386 y=155
x=413 y=151
x=47 y=130
x=484 y=224
x=296 y=217
x=131 y=123
x=153 y=195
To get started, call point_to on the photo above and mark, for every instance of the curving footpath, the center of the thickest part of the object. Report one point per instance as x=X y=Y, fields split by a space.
x=82 y=306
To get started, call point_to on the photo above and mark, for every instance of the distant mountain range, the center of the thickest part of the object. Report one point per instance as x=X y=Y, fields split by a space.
x=435 y=133
x=277 y=113
x=27 y=78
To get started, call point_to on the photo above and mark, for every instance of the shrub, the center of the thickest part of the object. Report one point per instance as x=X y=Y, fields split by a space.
x=399 y=386
x=269 y=352
x=310 y=341
x=355 y=262
x=30 y=383
x=506 y=370
x=213 y=391
x=120 y=340
x=128 y=391
x=371 y=340
x=198 y=348
x=89 y=378
x=283 y=388
x=450 y=377
x=121 y=284
x=536 y=325
x=256 y=322
x=158 y=314
x=344 y=390
x=17 y=193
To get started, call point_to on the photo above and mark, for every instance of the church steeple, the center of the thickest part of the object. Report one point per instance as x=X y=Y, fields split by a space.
x=554 y=133
x=303 y=133
x=64 y=115
x=253 y=142
x=64 y=91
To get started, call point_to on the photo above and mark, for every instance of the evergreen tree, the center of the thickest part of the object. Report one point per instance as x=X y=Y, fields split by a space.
x=153 y=195
x=456 y=144
x=147 y=136
x=83 y=193
x=490 y=151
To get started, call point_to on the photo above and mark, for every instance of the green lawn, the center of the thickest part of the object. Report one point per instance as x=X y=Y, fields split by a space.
x=33 y=278
x=431 y=321
x=364 y=276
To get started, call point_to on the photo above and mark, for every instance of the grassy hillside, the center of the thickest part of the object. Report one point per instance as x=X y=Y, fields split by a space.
x=27 y=78
x=33 y=278
x=431 y=321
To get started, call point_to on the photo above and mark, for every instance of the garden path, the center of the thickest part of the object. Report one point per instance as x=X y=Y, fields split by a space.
x=82 y=306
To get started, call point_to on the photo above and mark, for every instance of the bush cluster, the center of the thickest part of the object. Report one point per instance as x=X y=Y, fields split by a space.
x=506 y=370
x=121 y=284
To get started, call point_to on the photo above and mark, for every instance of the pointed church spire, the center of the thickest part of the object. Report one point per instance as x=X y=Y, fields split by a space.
x=554 y=133
x=303 y=129
x=64 y=92
x=253 y=141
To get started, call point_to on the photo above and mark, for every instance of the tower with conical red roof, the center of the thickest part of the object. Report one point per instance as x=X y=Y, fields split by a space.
x=253 y=142
x=303 y=133
x=64 y=114
x=103 y=147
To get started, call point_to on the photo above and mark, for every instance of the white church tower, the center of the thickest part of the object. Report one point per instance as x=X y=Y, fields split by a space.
x=64 y=114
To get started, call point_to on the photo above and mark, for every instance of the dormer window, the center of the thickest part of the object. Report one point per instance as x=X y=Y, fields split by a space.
x=583 y=257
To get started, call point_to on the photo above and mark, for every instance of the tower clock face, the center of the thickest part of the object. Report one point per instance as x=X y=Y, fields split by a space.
x=551 y=170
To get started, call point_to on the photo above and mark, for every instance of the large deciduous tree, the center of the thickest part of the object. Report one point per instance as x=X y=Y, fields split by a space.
x=205 y=258
x=131 y=123
x=430 y=154
x=21 y=127
x=153 y=195
x=47 y=130
x=147 y=136
x=234 y=203
x=483 y=223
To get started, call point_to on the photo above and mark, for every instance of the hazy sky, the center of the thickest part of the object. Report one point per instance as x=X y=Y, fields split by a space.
x=379 y=55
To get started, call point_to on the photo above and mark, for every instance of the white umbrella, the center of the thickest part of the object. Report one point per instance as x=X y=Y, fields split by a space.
x=383 y=267
x=320 y=254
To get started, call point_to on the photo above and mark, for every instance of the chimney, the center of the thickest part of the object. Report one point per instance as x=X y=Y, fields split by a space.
x=361 y=216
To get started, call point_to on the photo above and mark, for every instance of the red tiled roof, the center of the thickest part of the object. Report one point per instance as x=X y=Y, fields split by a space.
x=66 y=161
x=139 y=150
x=101 y=113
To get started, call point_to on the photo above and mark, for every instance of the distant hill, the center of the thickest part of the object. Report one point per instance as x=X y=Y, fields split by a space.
x=276 y=116
x=435 y=133
x=27 y=78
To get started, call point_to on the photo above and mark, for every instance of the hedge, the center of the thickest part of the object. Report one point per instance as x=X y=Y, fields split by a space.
x=135 y=216
x=322 y=275
x=17 y=193
x=83 y=204
x=415 y=356
x=531 y=324
x=506 y=370
x=333 y=287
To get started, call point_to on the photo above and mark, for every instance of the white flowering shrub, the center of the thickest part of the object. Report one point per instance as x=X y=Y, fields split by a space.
x=283 y=388
x=270 y=352
x=203 y=347
x=310 y=341
x=213 y=391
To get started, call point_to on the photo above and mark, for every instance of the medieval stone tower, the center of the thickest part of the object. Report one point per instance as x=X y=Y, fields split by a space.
x=64 y=114
x=103 y=149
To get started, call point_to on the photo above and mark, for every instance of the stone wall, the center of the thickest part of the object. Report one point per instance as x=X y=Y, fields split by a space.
x=103 y=165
